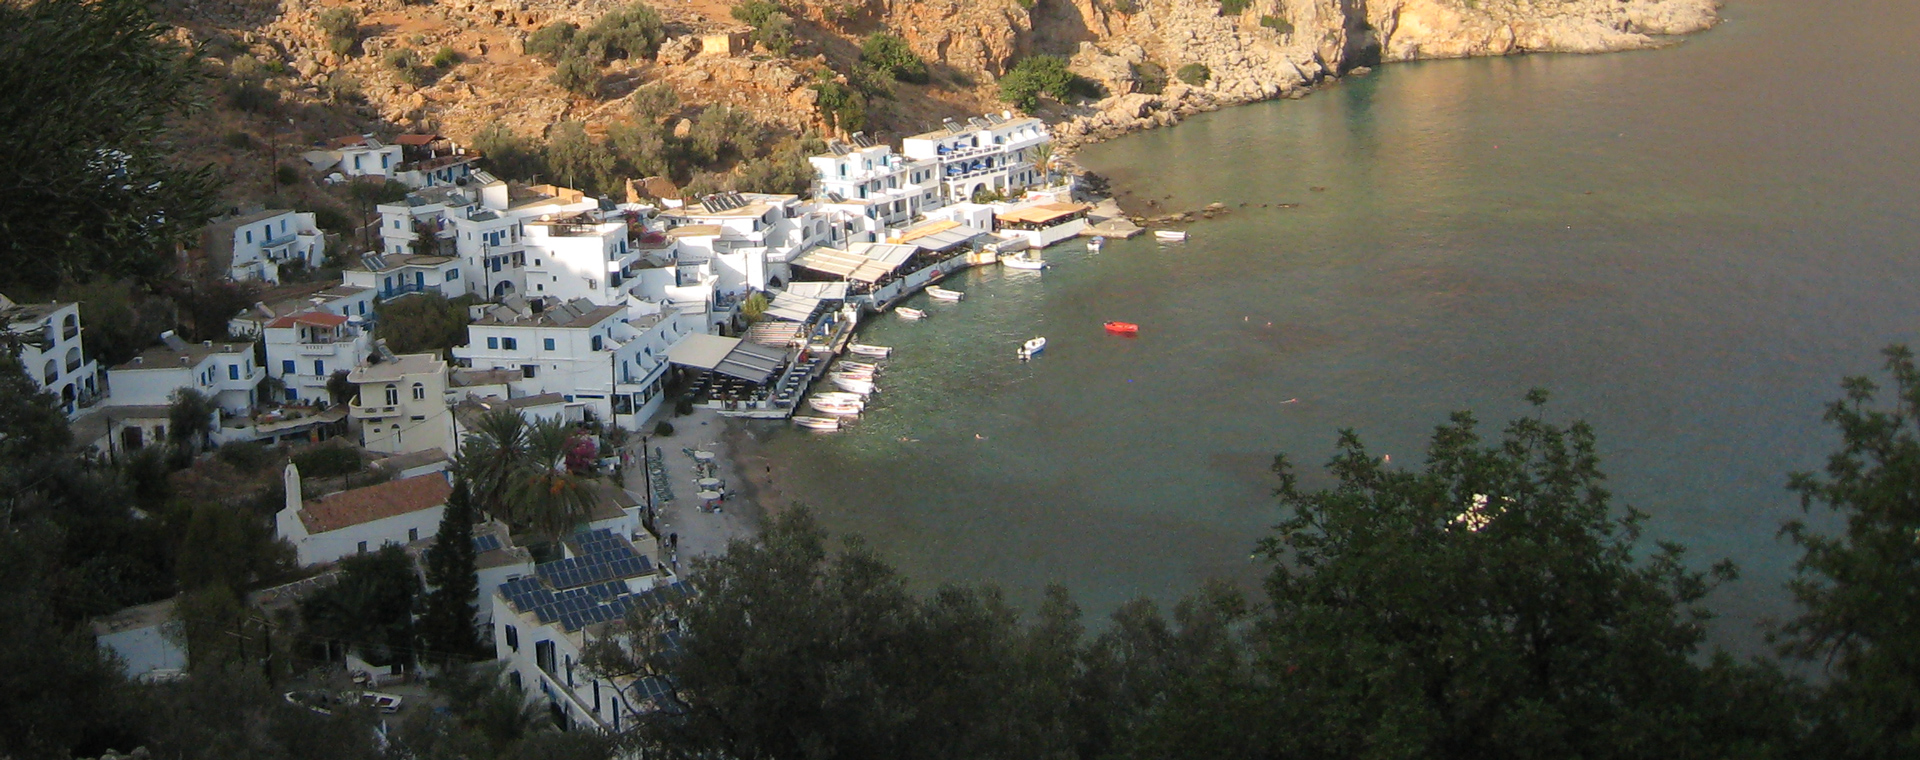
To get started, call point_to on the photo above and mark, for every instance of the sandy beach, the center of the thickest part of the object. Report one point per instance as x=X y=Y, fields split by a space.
x=697 y=532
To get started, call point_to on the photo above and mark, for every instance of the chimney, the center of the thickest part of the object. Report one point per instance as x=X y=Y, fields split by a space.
x=206 y=344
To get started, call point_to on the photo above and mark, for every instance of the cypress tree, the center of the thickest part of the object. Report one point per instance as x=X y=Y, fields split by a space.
x=447 y=625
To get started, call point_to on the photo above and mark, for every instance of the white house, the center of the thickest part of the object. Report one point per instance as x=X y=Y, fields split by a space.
x=422 y=222
x=147 y=640
x=396 y=275
x=401 y=404
x=543 y=621
x=304 y=350
x=993 y=153
x=344 y=300
x=360 y=520
x=873 y=189
x=749 y=237
x=597 y=355
x=428 y=160
x=51 y=350
x=366 y=156
x=577 y=256
x=256 y=246
x=224 y=372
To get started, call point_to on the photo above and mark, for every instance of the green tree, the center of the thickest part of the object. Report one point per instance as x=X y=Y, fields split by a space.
x=92 y=87
x=371 y=607
x=1195 y=74
x=422 y=322
x=1494 y=603
x=634 y=31
x=1857 y=587
x=406 y=65
x=772 y=27
x=490 y=456
x=545 y=495
x=190 y=418
x=553 y=41
x=120 y=319
x=785 y=171
x=342 y=27
x=890 y=54
x=1042 y=156
x=754 y=306
x=654 y=103
x=639 y=150
x=844 y=108
x=31 y=423
x=1033 y=75
x=576 y=74
x=722 y=133
x=446 y=625
x=510 y=155
x=577 y=159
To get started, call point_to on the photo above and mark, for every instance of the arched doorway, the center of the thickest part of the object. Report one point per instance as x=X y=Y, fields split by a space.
x=502 y=289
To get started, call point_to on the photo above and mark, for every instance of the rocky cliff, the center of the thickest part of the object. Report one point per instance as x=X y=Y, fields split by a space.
x=1133 y=49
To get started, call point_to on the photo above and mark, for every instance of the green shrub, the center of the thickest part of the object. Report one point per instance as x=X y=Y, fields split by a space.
x=342 y=27
x=332 y=220
x=576 y=74
x=654 y=102
x=1026 y=4
x=663 y=429
x=1128 y=7
x=446 y=58
x=1034 y=75
x=509 y=155
x=251 y=96
x=634 y=31
x=328 y=461
x=552 y=42
x=1149 y=77
x=1195 y=74
x=238 y=140
x=1277 y=23
x=405 y=64
x=890 y=54
x=1234 y=7
x=245 y=456
x=344 y=88
x=286 y=175
x=844 y=107
x=684 y=406
x=772 y=27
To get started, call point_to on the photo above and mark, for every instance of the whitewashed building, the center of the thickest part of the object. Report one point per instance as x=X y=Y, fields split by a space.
x=422 y=222
x=395 y=275
x=994 y=152
x=748 y=237
x=401 y=404
x=224 y=372
x=52 y=351
x=360 y=520
x=255 y=246
x=366 y=156
x=344 y=300
x=304 y=350
x=543 y=621
x=871 y=190
x=1043 y=224
x=601 y=356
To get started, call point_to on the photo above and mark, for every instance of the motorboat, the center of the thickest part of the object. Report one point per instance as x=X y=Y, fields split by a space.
x=1096 y=243
x=852 y=384
x=865 y=349
x=1123 y=328
x=817 y=423
x=835 y=406
x=852 y=373
x=906 y=313
x=859 y=366
x=1023 y=261
x=1170 y=236
x=943 y=294
x=841 y=396
x=1032 y=347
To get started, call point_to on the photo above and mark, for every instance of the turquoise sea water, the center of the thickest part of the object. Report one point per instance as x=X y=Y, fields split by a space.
x=1688 y=247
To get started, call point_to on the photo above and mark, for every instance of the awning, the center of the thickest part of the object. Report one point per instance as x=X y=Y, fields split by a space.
x=751 y=362
x=830 y=261
x=701 y=351
x=792 y=308
x=824 y=291
x=776 y=334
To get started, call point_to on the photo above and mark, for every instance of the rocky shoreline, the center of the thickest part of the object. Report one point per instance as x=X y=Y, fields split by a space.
x=1244 y=66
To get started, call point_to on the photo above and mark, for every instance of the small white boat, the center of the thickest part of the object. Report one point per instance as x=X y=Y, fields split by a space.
x=864 y=349
x=852 y=374
x=1031 y=347
x=817 y=423
x=1023 y=261
x=841 y=396
x=1096 y=243
x=859 y=366
x=835 y=406
x=852 y=384
x=906 y=313
x=1171 y=236
x=942 y=294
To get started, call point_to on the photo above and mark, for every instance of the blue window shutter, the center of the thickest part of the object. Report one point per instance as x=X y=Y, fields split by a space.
x=286 y=367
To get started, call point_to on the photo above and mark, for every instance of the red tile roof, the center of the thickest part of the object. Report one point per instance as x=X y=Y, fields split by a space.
x=364 y=505
x=321 y=318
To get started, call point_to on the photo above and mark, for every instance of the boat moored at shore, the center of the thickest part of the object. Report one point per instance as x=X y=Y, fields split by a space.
x=1031 y=347
x=942 y=294
x=1026 y=260
x=906 y=313
x=1169 y=236
x=816 y=423
x=865 y=349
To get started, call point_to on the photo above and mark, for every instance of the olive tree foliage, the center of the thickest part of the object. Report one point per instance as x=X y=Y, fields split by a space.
x=94 y=189
x=1859 y=587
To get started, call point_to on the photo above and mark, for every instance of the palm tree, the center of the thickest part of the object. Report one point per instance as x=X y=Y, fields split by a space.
x=1043 y=160
x=491 y=456
x=545 y=494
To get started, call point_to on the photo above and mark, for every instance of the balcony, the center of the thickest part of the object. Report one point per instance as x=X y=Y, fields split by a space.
x=402 y=289
x=370 y=412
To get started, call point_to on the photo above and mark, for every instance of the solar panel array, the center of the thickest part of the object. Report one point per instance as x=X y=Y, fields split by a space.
x=978 y=123
x=603 y=556
x=861 y=139
x=838 y=148
x=577 y=608
x=373 y=262
x=725 y=201
x=996 y=119
x=485 y=543
x=951 y=125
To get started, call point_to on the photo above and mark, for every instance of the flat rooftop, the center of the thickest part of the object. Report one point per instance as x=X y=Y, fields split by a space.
x=399 y=367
